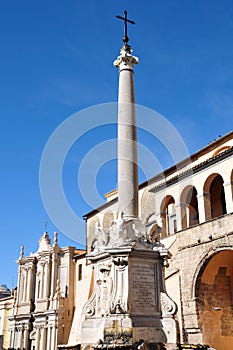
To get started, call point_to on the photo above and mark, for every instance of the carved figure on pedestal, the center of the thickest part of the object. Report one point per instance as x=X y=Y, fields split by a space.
x=101 y=237
x=118 y=231
x=154 y=233
x=104 y=287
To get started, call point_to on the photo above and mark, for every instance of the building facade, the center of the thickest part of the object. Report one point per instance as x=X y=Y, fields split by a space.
x=6 y=310
x=44 y=307
x=189 y=209
x=190 y=212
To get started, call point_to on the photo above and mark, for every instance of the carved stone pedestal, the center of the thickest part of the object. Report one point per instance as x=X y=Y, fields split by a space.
x=128 y=305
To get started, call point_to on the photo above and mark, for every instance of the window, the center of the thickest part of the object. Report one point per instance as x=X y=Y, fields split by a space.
x=80 y=271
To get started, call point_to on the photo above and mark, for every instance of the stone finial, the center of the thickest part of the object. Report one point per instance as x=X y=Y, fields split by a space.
x=21 y=252
x=55 y=239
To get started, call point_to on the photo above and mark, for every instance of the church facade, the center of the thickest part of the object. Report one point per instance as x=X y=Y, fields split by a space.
x=44 y=307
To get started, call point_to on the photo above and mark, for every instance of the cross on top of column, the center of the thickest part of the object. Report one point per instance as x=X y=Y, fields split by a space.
x=126 y=20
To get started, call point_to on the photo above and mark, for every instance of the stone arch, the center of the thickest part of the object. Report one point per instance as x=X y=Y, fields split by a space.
x=106 y=223
x=147 y=205
x=220 y=150
x=151 y=219
x=168 y=216
x=214 y=298
x=91 y=230
x=215 y=204
x=154 y=233
x=189 y=207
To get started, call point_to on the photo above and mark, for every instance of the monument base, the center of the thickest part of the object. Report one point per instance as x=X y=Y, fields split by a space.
x=126 y=307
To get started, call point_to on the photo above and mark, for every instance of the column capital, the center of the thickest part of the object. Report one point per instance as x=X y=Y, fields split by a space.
x=126 y=60
x=227 y=183
x=181 y=204
x=203 y=194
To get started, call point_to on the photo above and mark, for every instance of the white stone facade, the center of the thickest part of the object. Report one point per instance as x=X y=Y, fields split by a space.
x=44 y=307
x=190 y=212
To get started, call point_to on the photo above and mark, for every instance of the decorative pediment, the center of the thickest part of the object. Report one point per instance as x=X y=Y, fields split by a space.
x=44 y=243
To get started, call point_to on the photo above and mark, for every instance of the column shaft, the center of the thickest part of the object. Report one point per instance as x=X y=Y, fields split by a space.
x=201 y=207
x=228 y=197
x=25 y=340
x=42 y=283
x=29 y=284
x=43 y=339
x=127 y=136
x=25 y=287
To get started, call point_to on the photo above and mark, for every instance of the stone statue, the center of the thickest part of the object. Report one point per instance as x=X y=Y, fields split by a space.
x=21 y=252
x=104 y=287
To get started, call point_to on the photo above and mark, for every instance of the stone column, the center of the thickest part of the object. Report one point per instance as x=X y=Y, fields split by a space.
x=43 y=339
x=38 y=339
x=11 y=340
x=42 y=282
x=25 y=340
x=228 y=196
x=127 y=136
x=47 y=279
x=20 y=339
x=25 y=285
x=19 y=285
x=37 y=291
x=48 y=347
x=201 y=207
x=181 y=216
x=54 y=272
x=30 y=283
x=53 y=336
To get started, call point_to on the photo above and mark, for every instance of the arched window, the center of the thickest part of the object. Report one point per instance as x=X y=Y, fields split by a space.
x=168 y=216
x=217 y=197
x=216 y=205
x=189 y=207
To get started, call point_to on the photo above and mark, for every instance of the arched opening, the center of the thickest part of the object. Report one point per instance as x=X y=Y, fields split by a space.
x=92 y=226
x=220 y=150
x=217 y=197
x=147 y=204
x=215 y=204
x=214 y=295
x=168 y=216
x=107 y=220
x=189 y=207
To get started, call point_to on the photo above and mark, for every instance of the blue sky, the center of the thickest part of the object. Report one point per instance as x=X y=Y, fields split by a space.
x=56 y=59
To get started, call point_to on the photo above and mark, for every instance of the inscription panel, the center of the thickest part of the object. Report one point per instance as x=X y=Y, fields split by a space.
x=142 y=289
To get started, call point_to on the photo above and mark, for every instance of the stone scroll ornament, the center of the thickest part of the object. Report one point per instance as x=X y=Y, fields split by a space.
x=101 y=300
x=168 y=305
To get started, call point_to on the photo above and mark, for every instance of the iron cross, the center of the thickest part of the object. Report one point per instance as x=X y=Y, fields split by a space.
x=125 y=19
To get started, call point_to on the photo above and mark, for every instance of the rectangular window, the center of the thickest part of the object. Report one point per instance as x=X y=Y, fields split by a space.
x=80 y=272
